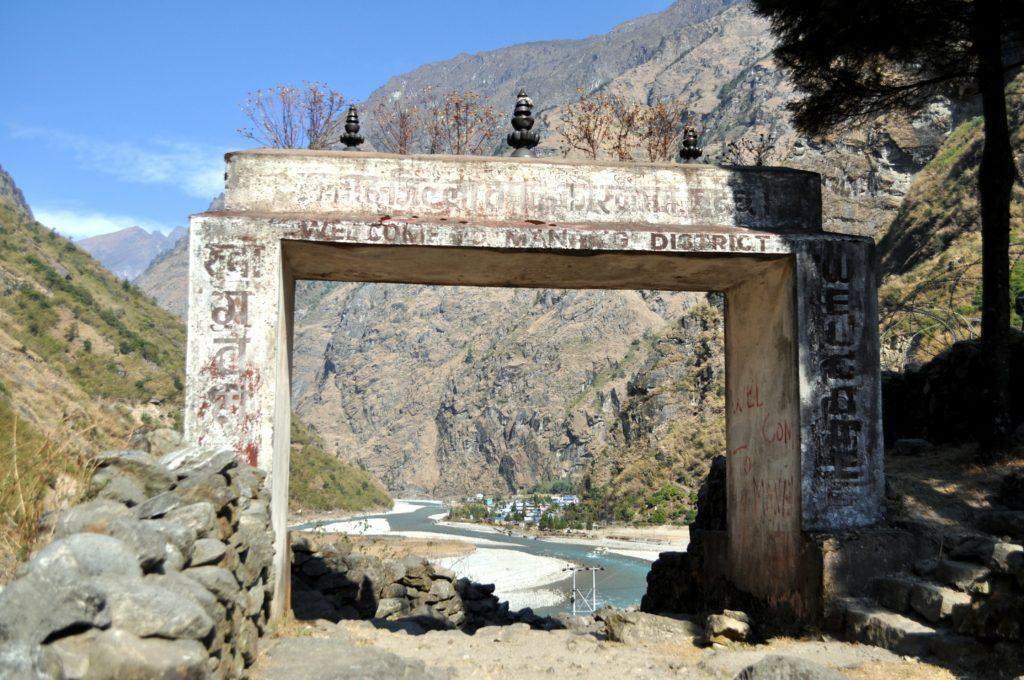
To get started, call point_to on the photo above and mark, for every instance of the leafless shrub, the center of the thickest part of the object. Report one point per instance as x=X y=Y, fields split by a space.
x=398 y=120
x=458 y=123
x=287 y=117
x=660 y=128
x=587 y=124
x=751 y=150
x=627 y=124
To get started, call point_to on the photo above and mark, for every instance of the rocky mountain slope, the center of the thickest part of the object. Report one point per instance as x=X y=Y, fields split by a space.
x=930 y=253
x=11 y=194
x=130 y=251
x=711 y=59
x=88 y=363
x=448 y=391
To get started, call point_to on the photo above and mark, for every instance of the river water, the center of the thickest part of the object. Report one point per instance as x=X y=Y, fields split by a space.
x=621 y=583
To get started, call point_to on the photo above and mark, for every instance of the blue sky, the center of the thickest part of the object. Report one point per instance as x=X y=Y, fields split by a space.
x=118 y=113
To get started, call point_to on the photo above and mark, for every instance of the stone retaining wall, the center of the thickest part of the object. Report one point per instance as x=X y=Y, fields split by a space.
x=164 y=573
x=330 y=582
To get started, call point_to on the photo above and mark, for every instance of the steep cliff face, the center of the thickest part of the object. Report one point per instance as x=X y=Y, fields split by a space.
x=443 y=390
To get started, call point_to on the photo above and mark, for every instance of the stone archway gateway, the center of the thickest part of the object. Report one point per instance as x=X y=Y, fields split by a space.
x=802 y=379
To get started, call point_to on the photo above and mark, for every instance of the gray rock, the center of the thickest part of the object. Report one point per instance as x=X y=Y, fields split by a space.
x=218 y=581
x=181 y=537
x=636 y=628
x=146 y=609
x=936 y=603
x=188 y=588
x=1008 y=558
x=247 y=640
x=724 y=628
x=209 y=462
x=146 y=470
x=163 y=440
x=893 y=592
x=776 y=667
x=189 y=458
x=209 y=487
x=159 y=505
x=960 y=575
x=20 y=660
x=93 y=516
x=200 y=517
x=250 y=483
x=80 y=555
x=73 y=652
x=391 y=606
x=146 y=541
x=441 y=572
x=256 y=597
x=33 y=608
x=440 y=590
x=388 y=591
x=207 y=551
x=119 y=654
x=122 y=489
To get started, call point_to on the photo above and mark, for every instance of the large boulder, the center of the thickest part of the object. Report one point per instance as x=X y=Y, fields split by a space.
x=93 y=516
x=119 y=654
x=81 y=555
x=34 y=609
x=143 y=469
x=146 y=609
x=638 y=628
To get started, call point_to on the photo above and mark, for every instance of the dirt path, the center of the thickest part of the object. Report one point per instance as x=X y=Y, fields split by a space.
x=356 y=650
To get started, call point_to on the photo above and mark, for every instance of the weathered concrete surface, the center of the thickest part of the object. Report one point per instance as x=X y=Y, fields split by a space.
x=512 y=189
x=801 y=341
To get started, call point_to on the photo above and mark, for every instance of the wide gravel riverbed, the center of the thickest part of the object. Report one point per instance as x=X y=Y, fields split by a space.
x=527 y=572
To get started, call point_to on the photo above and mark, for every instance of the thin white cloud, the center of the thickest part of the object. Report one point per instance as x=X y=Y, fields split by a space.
x=195 y=170
x=80 y=224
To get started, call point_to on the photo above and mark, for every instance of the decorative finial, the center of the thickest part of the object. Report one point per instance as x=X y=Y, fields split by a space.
x=691 y=148
x=351 y=139
x=524 y=138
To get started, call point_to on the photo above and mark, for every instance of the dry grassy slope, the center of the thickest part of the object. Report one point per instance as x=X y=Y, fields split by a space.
x=930 y=253
x=85 y=361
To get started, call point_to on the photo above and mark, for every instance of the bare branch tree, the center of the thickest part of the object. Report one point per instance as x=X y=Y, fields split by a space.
x=287 y=117
x=458 y=123
x=750 y=150
x=587 y=124
x=660 y=128
x=627 y=118
x=397 y=120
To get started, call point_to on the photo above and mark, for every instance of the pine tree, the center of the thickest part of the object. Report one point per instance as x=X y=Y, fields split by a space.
x=853 y=61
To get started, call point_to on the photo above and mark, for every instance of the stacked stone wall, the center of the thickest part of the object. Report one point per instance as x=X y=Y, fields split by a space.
x=165 y=572
x=331 y=582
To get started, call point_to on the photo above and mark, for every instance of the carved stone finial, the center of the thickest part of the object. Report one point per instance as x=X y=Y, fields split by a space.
x=691 y=148
x=525 y=138
x=351 y=139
